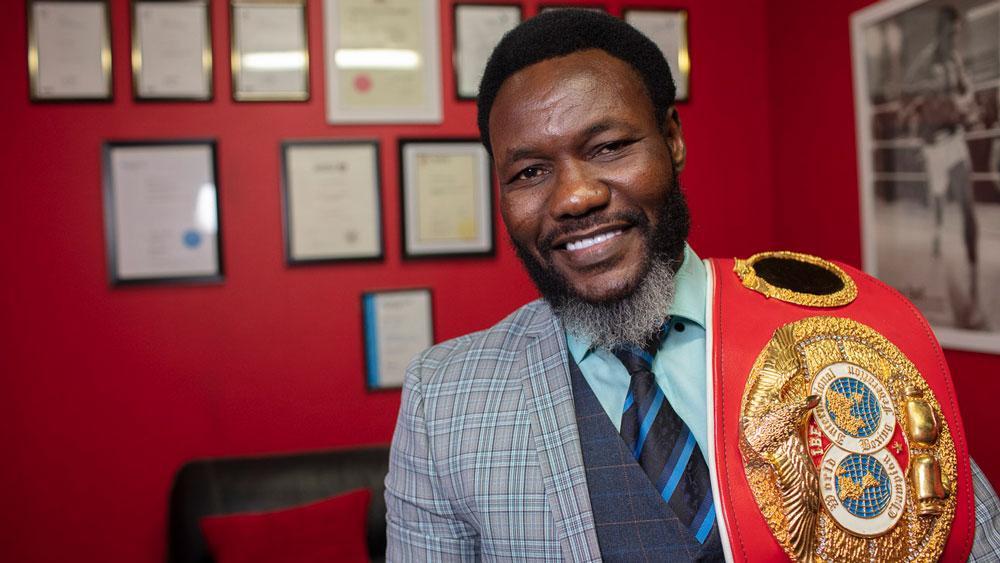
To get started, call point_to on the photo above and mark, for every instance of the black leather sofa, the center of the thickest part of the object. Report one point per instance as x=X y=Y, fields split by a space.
x=247 y=484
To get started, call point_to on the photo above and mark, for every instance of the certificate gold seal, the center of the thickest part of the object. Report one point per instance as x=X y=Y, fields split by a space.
x=845 y=448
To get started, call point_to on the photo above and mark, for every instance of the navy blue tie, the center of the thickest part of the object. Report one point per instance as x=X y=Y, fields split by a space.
x=663 y=444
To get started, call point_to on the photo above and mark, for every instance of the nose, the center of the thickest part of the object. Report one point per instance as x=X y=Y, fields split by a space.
x=577 y=192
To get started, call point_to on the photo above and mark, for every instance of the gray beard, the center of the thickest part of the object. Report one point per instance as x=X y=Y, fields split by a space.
x=630 y=321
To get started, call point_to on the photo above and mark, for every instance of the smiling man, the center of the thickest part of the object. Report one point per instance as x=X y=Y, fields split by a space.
x=589 y=192
x=654 y=406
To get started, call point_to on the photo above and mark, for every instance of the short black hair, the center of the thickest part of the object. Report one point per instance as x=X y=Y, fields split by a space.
x=562 y=32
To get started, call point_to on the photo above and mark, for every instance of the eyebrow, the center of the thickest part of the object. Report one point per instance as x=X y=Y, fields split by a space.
x=591 y=131
x=520 y=153
x=602 y=126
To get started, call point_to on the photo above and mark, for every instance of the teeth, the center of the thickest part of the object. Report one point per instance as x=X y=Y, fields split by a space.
x=588 y=242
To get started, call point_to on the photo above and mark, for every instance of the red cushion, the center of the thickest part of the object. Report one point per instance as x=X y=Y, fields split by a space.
x=332 y=529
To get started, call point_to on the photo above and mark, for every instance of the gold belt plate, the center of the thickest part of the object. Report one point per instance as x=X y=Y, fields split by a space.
x=845 y=447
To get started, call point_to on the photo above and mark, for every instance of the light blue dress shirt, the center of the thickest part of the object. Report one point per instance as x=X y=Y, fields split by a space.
x=679 y=365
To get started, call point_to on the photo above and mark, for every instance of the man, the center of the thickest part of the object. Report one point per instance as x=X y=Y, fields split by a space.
x=940 y=115
x=579 y=427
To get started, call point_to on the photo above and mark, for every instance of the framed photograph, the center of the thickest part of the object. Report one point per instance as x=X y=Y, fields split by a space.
x=926 y=87
x=270 y=50
x=669 y=30
x=69 y=51
x=331 y=200
x=161 y=212
x=478 y=29
x=171 y=50
x=398 y=325
x=383 y=61
x=447 y=197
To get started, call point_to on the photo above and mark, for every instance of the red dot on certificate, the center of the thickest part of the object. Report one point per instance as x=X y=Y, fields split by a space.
x=362 y=83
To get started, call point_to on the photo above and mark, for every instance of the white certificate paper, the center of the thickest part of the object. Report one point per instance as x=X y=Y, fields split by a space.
x=478 y=29
x=70 y=51
x=382 y=61
x=668 y=29
x=163 y=211
x=173 y=54
x=271 y=55
x=447 y=198
x=398 y=326
x=332 y=201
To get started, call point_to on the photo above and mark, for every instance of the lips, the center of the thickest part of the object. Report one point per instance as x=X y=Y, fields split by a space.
x=591 y=241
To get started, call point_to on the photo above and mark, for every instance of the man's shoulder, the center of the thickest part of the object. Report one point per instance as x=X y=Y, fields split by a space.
x=477 y=353
x=505 y=336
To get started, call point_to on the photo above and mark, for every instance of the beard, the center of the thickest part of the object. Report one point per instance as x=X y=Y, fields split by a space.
x=633 y=315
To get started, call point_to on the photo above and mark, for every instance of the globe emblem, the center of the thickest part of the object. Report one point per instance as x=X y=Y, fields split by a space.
x=862 y=485
x=853 y=407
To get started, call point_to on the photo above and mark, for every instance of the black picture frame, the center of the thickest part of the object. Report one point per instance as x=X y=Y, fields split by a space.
x=485 y=246
x=111 y=215
x=286 y=203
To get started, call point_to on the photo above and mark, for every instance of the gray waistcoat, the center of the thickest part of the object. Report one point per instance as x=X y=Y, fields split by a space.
x=633 y=522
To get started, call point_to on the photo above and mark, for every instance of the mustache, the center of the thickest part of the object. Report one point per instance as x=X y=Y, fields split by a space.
x=630 y=216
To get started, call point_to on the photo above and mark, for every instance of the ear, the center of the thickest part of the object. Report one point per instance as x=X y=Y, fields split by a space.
x=675 y=138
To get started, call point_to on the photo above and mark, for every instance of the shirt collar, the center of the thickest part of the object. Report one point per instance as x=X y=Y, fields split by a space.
x=690 y=297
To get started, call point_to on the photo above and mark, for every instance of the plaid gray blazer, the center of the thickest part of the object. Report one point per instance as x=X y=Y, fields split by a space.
x=486 y=462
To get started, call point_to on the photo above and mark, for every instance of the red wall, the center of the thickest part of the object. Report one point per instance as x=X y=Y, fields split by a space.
x=815 y=174
x=105 y=392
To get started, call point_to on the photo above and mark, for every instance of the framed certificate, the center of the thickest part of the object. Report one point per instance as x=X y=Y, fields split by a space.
x=669 y=30
x=383 y=61
x=161 y=212
x=478 y=29
x=69 y=50
x=270 y=50
x=594 y=7
x=331 y=200
x=398 y=325
x=171 y=50
x=447 y=196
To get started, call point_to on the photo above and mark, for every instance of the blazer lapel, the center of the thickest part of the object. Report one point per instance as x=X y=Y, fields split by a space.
x=548 y=395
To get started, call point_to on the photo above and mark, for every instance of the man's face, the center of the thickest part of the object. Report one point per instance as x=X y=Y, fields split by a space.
x=587 y=186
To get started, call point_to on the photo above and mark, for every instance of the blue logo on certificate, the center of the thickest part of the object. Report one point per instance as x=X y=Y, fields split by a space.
x=192 y=238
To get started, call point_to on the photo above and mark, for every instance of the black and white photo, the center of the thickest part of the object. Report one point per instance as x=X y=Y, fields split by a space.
x=926 y=97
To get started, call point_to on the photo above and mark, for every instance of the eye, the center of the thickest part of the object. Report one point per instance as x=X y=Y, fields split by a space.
x=613 y=147
x=529 y=173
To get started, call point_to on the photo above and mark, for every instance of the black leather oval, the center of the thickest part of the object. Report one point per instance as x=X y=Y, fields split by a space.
x=796 y=275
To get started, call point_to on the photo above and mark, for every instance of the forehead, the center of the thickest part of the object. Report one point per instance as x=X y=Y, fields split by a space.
x=560 y=94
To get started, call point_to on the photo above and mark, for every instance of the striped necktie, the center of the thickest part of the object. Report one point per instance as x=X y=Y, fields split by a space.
x=663 y=444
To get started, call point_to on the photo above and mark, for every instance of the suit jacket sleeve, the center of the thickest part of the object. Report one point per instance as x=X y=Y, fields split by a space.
x=987 y=543
x=422 y=524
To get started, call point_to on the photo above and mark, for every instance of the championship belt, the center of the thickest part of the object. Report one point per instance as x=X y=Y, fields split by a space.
x=836 y=428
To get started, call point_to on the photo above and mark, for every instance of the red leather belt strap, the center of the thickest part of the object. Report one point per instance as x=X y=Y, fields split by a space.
x=743 y=323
